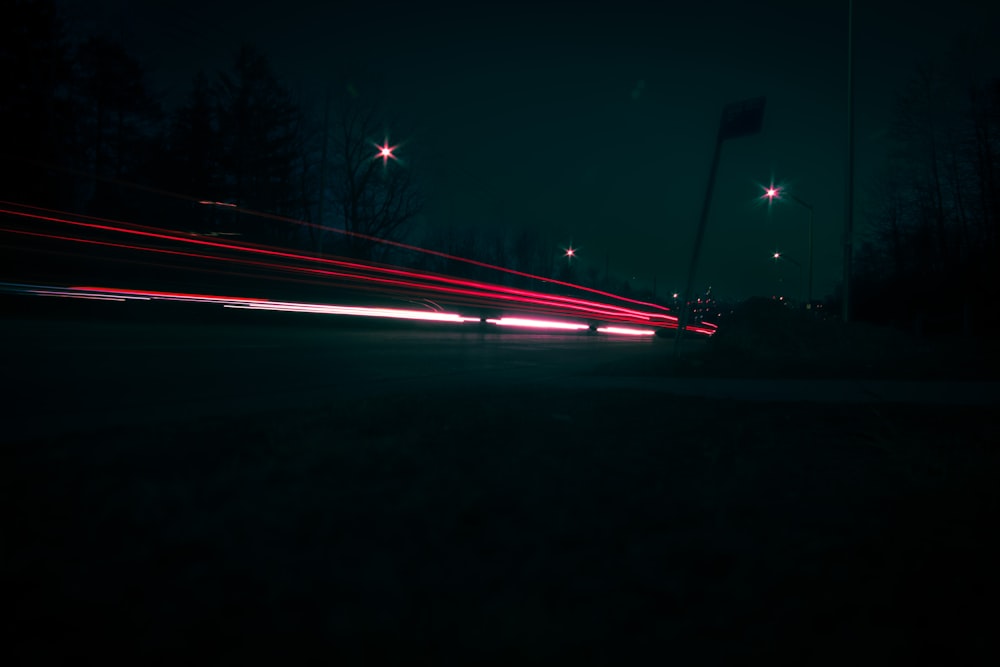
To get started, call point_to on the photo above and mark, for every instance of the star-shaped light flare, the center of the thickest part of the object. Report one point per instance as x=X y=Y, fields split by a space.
x=386 y=152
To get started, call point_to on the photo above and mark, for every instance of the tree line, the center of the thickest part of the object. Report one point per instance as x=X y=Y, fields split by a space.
x=932 y=259
x=83 y=130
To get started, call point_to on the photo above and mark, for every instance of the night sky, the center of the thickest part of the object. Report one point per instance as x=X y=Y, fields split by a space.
x=593 y=122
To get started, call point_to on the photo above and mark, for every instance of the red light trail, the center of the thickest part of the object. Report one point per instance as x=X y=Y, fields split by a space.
x=384 y=280
x=386 y=242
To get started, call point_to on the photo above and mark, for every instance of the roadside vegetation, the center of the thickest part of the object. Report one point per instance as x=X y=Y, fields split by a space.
x=764 y=338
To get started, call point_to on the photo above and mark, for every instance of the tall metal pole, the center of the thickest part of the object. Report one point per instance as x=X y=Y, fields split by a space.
x=809 y=297
x=739 y=119
x=682 y=321
x=849 y=198
x=809 y=262
x=798 y=265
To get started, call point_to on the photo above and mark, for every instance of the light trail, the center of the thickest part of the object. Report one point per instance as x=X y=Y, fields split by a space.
x=537 y=324
x=386 y=242
x=151 y=231
x=626 y=331
x=483 y=295
x=247 y=303
x=357 y=311
x=465 y=287
x=382 y=280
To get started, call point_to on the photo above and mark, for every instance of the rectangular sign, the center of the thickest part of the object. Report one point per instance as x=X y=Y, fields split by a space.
x=741 y=119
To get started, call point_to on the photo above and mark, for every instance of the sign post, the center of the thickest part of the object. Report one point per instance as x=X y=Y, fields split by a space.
x=739 y=119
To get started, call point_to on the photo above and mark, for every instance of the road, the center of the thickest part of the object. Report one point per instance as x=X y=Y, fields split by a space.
x=81 y=375
x=78 y=375
x=504 y=499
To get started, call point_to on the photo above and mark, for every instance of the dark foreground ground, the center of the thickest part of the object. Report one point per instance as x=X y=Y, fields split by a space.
x=499 y=529
x=490 y=526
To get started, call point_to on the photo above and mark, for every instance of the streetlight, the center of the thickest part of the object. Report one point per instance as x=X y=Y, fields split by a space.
x=386 y=152
x=771 y=193
x=777 y=255
x=569 y=253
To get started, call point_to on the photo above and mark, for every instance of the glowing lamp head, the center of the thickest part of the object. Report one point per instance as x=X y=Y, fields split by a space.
x=777 y=255
x=771 y=192
x=385 y=151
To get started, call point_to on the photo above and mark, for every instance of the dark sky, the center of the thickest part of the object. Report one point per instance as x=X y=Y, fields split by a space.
x=595 y=121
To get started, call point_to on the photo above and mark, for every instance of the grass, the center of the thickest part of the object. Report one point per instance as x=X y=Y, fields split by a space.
x=492 y=528
x=765 y=339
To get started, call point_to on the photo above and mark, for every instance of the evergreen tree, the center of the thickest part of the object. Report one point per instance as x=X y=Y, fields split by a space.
x=193 y=167
x=258 y=124
x=120 y=124
x=933 y=252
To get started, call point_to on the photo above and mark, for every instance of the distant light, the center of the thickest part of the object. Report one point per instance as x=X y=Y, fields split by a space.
x=385 y=151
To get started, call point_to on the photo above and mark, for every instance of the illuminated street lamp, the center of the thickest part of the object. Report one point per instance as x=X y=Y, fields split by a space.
x=569 y=253
x=777 y=255
x=386 y=152
x=771 y=193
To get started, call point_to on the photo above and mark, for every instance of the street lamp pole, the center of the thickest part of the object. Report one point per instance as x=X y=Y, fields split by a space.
x=778 y=255
x=773 y=192
x=809 y=260
x=739 y=119
x=849 y=194
x=809 y=303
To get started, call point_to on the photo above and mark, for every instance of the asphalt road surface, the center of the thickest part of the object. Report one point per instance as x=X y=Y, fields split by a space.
x=82 y=373
x=277 y=491
x=78 y=375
